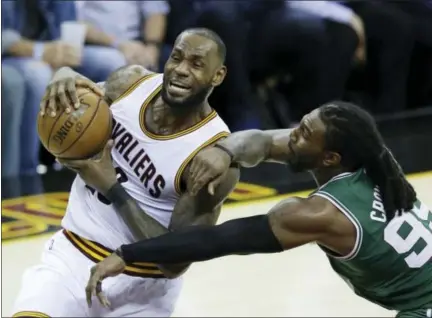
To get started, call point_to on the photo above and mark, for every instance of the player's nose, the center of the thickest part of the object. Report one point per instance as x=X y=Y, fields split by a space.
x=182 y=69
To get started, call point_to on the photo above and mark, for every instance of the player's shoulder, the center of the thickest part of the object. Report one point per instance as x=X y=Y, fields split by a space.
x=304 y=215
x=311 y=205
x=121 y=80
x=314 y=210
x=131 y=72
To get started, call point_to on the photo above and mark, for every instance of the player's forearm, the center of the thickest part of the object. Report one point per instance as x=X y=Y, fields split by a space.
x=200 y=243
x=185 y=214
x=21 y=47
x=249 y=147
x=139 y=222
x=141 y=225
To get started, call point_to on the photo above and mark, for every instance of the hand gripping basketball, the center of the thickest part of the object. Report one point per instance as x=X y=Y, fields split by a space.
x=97 y=172
x=62 y=94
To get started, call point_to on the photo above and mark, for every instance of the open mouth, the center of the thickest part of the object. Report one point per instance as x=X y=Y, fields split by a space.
x=178 y=88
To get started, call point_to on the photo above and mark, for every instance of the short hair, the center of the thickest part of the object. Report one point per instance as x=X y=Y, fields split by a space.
x=352 y=132
x=211 y=35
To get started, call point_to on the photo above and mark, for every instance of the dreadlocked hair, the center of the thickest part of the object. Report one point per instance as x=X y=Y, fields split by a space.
x=352 y=132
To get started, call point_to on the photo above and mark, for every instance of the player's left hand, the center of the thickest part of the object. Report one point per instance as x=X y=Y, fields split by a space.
x=208 y=167
x=111 y=266
x=97 y=172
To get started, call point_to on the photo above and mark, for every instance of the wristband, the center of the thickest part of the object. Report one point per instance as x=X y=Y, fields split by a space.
x=38 y=50
x=117 y=195
x=228 y=152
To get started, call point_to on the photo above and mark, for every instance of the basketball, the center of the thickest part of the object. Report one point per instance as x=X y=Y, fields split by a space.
x=80 y=134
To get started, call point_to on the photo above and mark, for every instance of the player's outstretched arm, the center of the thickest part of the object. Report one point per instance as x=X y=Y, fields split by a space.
x=200 y=209
x=61 y=93
x=247 y=148
x=251 y=147
x=292 y=223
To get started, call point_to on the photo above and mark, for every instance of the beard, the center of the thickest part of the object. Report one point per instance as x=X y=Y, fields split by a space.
x=300 y=163
x=187 y=104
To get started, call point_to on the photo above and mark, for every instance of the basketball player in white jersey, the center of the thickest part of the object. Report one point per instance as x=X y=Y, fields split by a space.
x=161 y=121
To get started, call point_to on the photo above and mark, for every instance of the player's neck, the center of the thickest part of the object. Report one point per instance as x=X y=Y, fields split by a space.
x=322 y=176
x=174 y=120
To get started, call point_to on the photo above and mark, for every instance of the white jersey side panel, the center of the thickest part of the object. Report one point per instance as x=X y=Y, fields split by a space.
x=149 y=167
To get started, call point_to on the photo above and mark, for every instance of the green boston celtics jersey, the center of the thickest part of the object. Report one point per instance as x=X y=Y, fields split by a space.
x=391 y=263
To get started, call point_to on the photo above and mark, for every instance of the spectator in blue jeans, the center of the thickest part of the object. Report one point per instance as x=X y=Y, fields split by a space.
x=31 y=47
x=23 y=84
x=39 y=22
x=13 y=96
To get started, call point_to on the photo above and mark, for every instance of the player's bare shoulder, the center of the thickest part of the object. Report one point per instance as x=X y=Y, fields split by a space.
x=122 y=79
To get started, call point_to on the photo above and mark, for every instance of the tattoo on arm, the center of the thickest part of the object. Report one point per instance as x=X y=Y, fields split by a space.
x=122 y=79
x=140 y=223
x=117 y=83
x=252 y=147
x=202 y=209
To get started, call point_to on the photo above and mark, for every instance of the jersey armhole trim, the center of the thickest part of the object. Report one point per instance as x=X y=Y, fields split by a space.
x=336 y=178
x=351 y=217
x=177 y=180
x=134 y=86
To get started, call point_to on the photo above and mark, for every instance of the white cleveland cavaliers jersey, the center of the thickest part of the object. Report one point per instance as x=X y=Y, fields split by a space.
x=148 y=166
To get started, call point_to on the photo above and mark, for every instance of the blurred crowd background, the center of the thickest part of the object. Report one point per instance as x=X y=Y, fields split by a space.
x=284 y=57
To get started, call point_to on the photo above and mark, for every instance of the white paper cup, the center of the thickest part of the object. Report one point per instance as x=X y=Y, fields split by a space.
x=74 y=34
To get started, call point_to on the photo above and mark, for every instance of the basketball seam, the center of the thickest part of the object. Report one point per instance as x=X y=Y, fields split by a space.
x=84 y=130
x=102 y=143
x=55 y=122
x=52 y=127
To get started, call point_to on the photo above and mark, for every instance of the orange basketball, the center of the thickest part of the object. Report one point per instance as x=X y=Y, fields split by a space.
x=80 y=134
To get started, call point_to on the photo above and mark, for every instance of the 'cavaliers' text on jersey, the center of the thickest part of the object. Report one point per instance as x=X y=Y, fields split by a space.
x=148 y=166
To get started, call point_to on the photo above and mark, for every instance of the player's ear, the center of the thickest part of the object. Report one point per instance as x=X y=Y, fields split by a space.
x=331 y=159
x=219 y=76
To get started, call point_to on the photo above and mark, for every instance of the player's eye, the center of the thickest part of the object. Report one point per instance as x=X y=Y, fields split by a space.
x=198 y=64
x=175 y=57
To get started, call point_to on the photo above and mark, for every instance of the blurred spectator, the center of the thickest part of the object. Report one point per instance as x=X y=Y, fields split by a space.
x=421 y=14
x=31 y=45
x=390 y=40
x=420 y=80
x=344 y=45
x=234 y=98
x=125 y=31
x=13 y=97
x=25 y=76
x=310 y=44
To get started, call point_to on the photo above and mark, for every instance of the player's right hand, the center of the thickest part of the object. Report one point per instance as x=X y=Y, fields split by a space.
x=111 y=266
x=209 y=167
x=62 y=94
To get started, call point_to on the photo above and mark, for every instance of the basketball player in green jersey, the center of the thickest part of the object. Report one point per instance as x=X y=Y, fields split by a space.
x=364 y=214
